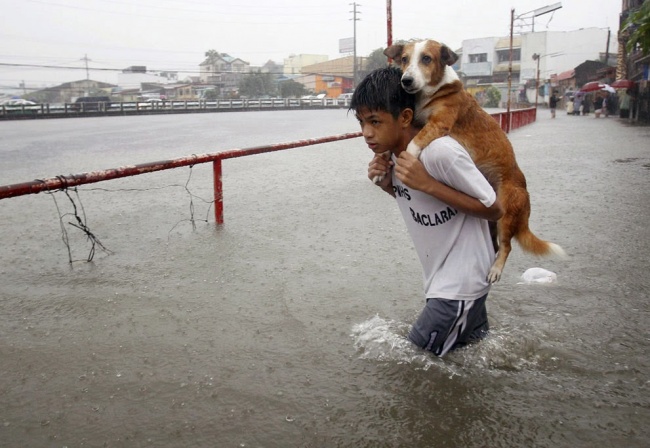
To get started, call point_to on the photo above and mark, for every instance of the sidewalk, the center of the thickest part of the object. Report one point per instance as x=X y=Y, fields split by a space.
x=589 y=183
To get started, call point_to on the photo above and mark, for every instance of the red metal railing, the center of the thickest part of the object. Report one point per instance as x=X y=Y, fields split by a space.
x=518 y=118
x=64 y=181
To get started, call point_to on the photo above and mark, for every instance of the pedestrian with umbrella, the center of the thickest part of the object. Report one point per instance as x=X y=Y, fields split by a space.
x=598 y=105
x=577 y=103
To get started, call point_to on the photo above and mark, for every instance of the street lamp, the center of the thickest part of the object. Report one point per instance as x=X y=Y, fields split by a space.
x=534 y=13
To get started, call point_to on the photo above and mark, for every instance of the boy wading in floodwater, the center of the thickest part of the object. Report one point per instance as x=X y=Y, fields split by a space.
x=446 y=204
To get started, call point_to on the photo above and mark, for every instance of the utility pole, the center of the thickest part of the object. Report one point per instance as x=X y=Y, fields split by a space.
x=354 y=63
x=85 y=58
x=389 y=23
x=512 y=21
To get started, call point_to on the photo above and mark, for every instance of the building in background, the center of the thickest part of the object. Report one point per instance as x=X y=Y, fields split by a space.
x=133 y=77
x=70 y=91
x=486 y=61
x=331 y=77
x=223 y=71
x=634 y=67
x=294 y=63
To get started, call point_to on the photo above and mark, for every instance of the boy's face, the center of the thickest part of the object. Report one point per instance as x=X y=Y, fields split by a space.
x=381 y=131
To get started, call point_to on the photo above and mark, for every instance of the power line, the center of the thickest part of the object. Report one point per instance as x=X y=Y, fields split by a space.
x=120 y=70
x=8 y=64
x=298 y=17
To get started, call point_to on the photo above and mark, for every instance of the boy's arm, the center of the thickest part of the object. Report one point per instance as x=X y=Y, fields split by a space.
x=412 y=173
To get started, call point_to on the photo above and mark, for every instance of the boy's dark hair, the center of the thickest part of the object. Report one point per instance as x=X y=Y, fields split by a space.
x=382 y=90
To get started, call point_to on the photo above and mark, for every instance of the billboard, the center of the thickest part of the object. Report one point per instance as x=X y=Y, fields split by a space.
x=346 y=45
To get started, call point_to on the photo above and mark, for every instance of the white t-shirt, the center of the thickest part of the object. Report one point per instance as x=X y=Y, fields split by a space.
x=455 y=249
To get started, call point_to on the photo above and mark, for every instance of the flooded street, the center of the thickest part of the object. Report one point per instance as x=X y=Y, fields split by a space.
x=286 y=326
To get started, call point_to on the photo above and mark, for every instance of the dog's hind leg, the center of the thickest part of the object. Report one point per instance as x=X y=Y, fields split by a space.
x=494 y=235
x=505 y=234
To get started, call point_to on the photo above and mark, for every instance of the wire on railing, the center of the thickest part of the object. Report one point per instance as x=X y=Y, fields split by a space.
x=71 y=180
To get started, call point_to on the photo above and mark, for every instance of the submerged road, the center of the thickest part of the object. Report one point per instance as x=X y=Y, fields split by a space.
x=285 y=326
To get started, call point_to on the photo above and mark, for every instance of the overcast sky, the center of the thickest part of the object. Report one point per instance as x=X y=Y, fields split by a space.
x=175 y=34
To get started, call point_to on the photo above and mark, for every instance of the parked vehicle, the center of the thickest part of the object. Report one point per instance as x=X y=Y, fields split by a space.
x=149 y=103
x=20 y=106
x=91 y=103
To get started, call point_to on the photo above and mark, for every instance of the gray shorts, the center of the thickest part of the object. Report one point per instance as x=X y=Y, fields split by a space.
x=445 y=325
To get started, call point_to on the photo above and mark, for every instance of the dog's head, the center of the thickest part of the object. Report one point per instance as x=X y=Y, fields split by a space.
x=424 y=63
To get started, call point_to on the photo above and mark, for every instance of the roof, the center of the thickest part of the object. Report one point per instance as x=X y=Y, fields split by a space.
x=99 y=84
x=566 y=75
x=336 y=67
x=224 y=57
x=504 y=42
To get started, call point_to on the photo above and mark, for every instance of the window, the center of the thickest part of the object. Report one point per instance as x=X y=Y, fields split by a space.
x=504 y=55
x=478 y=57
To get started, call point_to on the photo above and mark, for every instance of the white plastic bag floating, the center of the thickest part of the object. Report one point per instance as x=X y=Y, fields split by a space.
x=538 y=275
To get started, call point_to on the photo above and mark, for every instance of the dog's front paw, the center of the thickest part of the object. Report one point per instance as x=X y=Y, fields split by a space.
x=494 y=275
x=413 y=149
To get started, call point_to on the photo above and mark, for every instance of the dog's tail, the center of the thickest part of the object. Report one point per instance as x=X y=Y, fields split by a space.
x=530 y=243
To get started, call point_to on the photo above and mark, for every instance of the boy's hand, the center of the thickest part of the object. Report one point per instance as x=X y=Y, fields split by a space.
x=380 y=166
x=411 y=172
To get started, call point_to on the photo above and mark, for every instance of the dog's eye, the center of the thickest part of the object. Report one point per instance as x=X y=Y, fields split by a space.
x=426 y=59
x=405 y=59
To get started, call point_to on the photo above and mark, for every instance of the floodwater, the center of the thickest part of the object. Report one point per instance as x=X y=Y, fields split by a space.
x=285 y=326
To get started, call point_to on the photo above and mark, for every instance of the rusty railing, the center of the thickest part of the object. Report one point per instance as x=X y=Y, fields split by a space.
x=70 y=180
x=517 y=119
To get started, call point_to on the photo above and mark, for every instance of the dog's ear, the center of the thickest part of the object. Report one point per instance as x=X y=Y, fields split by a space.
x=394 y=51
x=447 y=57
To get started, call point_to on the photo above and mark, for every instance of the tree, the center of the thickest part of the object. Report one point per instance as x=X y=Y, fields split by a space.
x=637 y=26
x=211 y=55
x=257 y=84
x=211 y=94
x=493 y=97
x=292 y=89
x=376 y=59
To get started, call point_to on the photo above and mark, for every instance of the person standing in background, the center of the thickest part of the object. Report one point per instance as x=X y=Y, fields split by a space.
x=552 y=103
x=569 y=106
x=598 y=105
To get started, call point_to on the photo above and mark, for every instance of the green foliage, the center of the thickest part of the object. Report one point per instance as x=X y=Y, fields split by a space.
x=493 y=97
x=257 y=85
x=211 y=55
x=211 y=95
x=637 y=26
x=376 y=60
x=292 y=89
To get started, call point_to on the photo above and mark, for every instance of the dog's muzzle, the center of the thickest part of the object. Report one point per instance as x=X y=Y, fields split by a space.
x=407 y=83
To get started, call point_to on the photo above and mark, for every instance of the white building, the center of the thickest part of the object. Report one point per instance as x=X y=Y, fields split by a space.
x=294 y=63
x=133 y=77
x=563 y=50
x=485 y=61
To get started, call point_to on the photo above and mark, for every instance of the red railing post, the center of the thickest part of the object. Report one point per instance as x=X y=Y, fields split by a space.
x=218 y=191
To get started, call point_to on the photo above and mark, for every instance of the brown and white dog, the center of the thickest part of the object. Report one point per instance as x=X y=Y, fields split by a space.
x=445 y=108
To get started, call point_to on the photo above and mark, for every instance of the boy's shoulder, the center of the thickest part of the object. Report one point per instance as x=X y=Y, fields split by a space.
x=444 y=153
x=444 y=148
